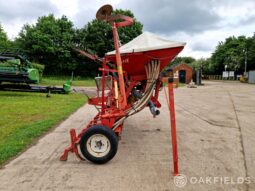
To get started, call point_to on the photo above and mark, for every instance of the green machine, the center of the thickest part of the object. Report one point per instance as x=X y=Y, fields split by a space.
x=18 y=74
x=15 y=67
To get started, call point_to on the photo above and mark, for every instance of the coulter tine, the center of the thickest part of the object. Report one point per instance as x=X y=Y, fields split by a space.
x=64 y=156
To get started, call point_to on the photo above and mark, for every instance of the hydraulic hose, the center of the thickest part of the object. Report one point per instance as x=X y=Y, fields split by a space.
x=152 y=72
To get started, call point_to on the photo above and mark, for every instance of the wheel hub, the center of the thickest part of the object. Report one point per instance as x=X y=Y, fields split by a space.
x=98 y=145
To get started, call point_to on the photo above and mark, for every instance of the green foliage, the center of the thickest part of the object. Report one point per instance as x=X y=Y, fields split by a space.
x=128 y=33
x=97 y=35
x=231 y=52
x=188 y=59
x=49 y=42
x=184 y=59
x=4 y=42
x=204 y=64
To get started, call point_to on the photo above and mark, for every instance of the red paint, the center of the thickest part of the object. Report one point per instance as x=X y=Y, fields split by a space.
x=134 y=62
x=173 y=127
x=131 y=73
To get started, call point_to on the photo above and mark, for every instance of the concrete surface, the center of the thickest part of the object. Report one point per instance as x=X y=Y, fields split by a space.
x=216 y=138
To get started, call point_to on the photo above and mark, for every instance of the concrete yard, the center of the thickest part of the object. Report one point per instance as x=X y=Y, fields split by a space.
x=216 y=138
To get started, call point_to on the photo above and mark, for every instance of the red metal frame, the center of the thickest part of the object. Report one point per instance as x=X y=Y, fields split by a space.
x=173 y=125
x=123 y=99
x=119 y=99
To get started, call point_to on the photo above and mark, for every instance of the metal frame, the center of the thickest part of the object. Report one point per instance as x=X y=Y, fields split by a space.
x=128 y=94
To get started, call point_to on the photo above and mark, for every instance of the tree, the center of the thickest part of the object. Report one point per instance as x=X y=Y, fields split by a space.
x=184 y=59
x=230 y=53
x=4 y=42
x=49 y=42
x=128 y=33
x=97 y=35
x=204 y=64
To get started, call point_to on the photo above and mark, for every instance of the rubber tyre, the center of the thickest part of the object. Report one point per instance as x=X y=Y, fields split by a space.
x=99 y=129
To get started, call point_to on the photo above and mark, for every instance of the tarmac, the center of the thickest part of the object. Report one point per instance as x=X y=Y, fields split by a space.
x=216 y=138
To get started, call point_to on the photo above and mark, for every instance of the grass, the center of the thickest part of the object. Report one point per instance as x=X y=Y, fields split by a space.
x=25 y=116
x=60 y=80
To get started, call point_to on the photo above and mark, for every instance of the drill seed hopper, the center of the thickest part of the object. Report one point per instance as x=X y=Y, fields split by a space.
x=130 y=82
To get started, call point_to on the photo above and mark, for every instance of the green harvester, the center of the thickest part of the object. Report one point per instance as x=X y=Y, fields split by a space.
x=17 y=73
x=15 y=67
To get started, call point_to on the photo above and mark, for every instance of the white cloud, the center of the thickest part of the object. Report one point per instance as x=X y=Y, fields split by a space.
x=13 y=27
x=203 y=44
x=66 y=7
x=202 y=24
x=87 y=10
x=15 y=13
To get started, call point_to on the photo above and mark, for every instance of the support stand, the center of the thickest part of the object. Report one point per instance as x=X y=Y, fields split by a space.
x=173 y=125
